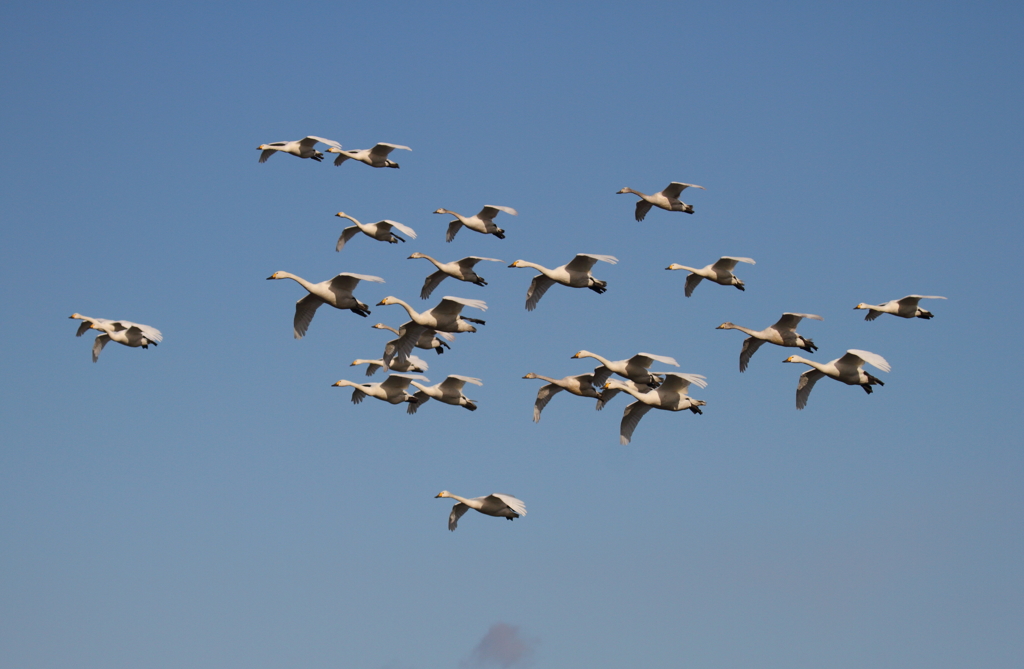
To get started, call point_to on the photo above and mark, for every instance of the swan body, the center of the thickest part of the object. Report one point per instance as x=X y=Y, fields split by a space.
x=636 y=369
x=720 y=272
x=126 y=333
x=382 y=231
x=848 y=369
x=575 y=274
x=303 y=148
x=428 y=339
x=337 y=292
x=448 y=391
x=411 y=364
x=459 y=269
x=581 y=385
x=670 y=396
x=495 y=504
x=667 y=199
x=445 y=317
x=905 y=307
x=375 y=157
x=391 y=390
x=482 y=222
x=782 y=333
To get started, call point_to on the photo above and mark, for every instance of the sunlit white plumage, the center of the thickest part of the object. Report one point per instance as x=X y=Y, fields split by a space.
x=410 y=364
x=635 y=369
x=482 y=222
x=126 y=333
x=448 y=391
x=847 y=369
x=459 y=269
x=391 y=390
x=581 y=385
x=337 y=292
x=428 y=339
x=667 y=199
x=382 y=231
x=782 y=333
x=669 y=396
x=575 y=274
x=495 y=504
x=375 y=157
x=905 y=307
x=445 y=317
x=719 y=271
x=303 y=148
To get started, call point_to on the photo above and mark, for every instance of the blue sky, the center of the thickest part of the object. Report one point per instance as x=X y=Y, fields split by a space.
x=214 y=502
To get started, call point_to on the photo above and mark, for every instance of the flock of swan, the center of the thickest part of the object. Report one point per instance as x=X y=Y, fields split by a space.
x=435 y=327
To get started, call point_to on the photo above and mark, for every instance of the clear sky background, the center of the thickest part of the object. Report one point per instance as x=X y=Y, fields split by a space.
x=213 y=502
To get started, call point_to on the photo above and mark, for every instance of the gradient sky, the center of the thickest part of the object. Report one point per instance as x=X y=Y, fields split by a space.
x=213 y=502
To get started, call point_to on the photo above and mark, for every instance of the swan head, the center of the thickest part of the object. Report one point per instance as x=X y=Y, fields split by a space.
x=725 y=326
x=582 y=354
x=624 y=190
x=275 y=275
x=442 y=211
x=388 y=300
x=416 y=254
x=334 y=150
x=517 y=263
x=443 y=493
x=342 y=214
x=531 y=375
x=675 y=266
x=862 y=306
x=793 y=358
x=77 y=315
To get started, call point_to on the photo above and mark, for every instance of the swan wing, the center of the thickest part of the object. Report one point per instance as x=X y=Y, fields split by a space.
x=346 y=234
x=452 y=306
x=544 y=396
x=789 y=321
x=750 y=346
x=728 y=263
x=308 y=142
x=266 y=154
x=678 y=382
x=601 y=374
x=470 y=261
x=457 y=512
x=358 y=395
x=382 y=149
x=606 y=396
x=912 y=300
x=402 y=227
x=856 y=358
x=432 y=282
x=583 y=262
x=453 y=229
x=421 y=398
x=456 y=381
x=645 y=359
x=692 y=282
x=676 y=188
x=401 y=381
x=346 y=282
x=642 y=207
x=491 y=210
x=399 y=349
x=805 y=385
x=305 y=309
x=630 y=417
x=98 y=344
x=538 y=287
x=510 y=501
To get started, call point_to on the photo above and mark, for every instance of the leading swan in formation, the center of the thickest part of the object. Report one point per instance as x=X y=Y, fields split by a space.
x=782 y=333
x=459 y=269
x=847 y=369
x=667 y=199
x=303 y=148
x=670 y=396
x=381 y=231
x=720 y=272
x=375 y=157
x=905 y=307
x=448 y=391
x=495 y=504
x=126 y=333
x=482 y=222
x=581 y=385
x=575 y=274
x=336 y=292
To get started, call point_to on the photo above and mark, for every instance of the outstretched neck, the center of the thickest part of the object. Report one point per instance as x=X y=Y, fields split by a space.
x=539 y=268
x=298 y=279
x=731 y=326
x=588 y=354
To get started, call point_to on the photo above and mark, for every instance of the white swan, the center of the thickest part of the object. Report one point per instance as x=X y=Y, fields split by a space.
x=411 y=364
x=905 y=307
x=847 y=369
x=429 y=339
x=635 y=369
x=575 y=274
x=391 y=390
x=667 y=199
x=375 y=157
x=495 y=504
x=720 y=272
x=581 y=385
x=670 y=396
x=459 y=269
x=448 y=391
x=782 y=333
x=336 y=292
x=381 y=231
x=482 y=222
x=123 y=332
x=303 y=148
x=445 y=317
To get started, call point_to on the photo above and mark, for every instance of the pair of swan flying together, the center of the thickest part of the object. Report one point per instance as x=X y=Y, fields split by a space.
x=667 y=199
x=459 y=269
x=482 y=222
x=382 y=231
x=575 y=274
x=720 y=272
x=495 y=504
x=669 y=396
x=636 y=369
x=782 y=333
x=448 y=391
x=303 y=148
x=428 y=339
x=445 y=317
x=336 y=292
x=134 y=335
x=848 y=369
x=375 y=157
x=905 y=307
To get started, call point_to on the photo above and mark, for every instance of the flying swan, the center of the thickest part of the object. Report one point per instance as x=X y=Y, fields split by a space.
x=445 y=317
x=336 y=292
x=429 y=339
x=495 y=504
x=670 y=396
x=581 y=385
x=303 y=148
x=667 y=199
x=459 y=269
x=905 y=307
x=720 y=272
x=375 y=157
x=635 y=369
x=482 y=222
x=575 y=274
x=391 y=390
x=783 y=333
x=122 y=332
x=846 y=369
x=381 y=231
x=411 y=364
x=448 y=391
